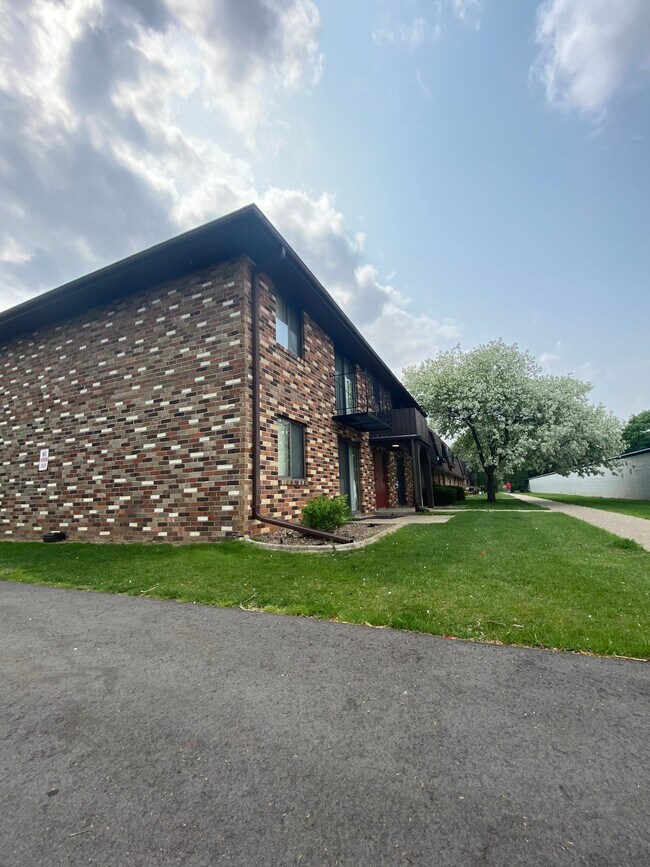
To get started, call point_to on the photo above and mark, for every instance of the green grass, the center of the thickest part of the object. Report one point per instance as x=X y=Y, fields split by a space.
x=551 y=581
x=636 y=508
x=504 y=501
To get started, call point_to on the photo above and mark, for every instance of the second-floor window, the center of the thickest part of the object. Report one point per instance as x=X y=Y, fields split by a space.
x=288 y=332
x=345 y=384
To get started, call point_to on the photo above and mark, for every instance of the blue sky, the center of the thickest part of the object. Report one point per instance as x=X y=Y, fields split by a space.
x=452 y=171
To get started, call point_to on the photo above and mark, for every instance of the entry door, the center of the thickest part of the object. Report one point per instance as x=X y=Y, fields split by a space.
x=381 y=481
x=349 y=483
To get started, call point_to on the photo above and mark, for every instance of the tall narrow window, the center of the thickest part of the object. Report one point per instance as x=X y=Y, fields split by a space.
x=349 y=481
x=345 y=385
x=291 y=449
x=287 y=326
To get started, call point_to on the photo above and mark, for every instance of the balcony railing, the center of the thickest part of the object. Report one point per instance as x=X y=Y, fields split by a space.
x=362 y=402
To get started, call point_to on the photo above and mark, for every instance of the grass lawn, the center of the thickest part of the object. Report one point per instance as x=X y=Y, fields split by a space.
x=551 y=582
x=504 y=501
x=637 y=508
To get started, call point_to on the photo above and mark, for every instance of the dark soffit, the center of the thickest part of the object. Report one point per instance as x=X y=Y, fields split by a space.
x=244 y=232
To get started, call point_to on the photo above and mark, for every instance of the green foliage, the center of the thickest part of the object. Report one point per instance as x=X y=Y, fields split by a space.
x=326 y=513
x=444 y=495
x=505 y=415
x=519 y=480
x=460 y=493
x=636 y=433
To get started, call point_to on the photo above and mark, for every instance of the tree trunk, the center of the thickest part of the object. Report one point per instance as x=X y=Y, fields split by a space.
x=491 y=484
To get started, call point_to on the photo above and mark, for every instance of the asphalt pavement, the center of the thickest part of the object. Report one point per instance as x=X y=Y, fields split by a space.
x=144 y=732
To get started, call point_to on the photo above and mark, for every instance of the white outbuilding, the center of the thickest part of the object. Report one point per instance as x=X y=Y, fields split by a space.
x=629 y=479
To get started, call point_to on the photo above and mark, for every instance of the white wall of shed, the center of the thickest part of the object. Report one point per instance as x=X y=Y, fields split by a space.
x=630 y=480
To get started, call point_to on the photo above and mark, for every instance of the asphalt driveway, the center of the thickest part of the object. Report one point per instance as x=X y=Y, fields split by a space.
x=139 y=732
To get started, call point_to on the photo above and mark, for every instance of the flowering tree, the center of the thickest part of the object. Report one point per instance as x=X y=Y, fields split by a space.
x=506 y=415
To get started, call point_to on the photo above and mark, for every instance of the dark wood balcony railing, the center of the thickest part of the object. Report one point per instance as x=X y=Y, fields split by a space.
x=407 y=422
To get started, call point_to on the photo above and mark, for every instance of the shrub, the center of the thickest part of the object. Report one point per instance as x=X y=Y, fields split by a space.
x=444 y=495
x=326 y=513
x=460 y=493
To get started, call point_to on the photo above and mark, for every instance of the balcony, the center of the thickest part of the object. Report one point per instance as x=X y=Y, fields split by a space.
x=362 y=402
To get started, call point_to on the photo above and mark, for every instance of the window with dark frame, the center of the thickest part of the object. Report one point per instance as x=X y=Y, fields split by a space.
x=349 y=475
x=346 y=392
x=288 y=331
x=291 y=449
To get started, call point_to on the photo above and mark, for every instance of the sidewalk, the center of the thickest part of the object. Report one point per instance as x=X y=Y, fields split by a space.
x=626 y=526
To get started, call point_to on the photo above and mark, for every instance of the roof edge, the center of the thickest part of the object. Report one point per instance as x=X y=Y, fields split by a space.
x=79 y=284
x=66 y=292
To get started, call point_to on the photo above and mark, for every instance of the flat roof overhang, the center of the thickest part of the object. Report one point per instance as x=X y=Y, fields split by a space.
x=246 y=232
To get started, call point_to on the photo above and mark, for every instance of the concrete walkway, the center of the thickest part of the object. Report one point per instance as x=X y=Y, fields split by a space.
x=626 y=526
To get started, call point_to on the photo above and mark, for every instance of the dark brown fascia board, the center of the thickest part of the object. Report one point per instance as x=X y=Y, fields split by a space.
x=364 y=352
x=22 y=315
x=246 y=231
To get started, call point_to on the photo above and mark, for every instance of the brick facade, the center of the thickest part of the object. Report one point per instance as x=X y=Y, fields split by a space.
x=146 y=409
x=139 y=404
x=302 y=390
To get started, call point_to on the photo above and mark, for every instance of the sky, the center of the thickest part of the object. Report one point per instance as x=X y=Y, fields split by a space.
x=453 y=171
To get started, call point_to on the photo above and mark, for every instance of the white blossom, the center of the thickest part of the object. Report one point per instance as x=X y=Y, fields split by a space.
x=506 y=416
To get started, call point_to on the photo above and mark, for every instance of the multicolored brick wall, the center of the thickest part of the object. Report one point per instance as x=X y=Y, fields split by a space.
x=392 y=478
x=139 y=404
x=302 y=390
x=145 y=408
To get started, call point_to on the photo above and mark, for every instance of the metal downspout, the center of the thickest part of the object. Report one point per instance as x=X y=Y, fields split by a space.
x=257 y=513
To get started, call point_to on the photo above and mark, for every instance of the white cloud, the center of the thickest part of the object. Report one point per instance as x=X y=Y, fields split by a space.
x=549 y=359
x=317 y=231
x=469 y=11
x=125 y=122
x=418 y=33
x=600 y=375
x=11 y=251
x=382 y=36
x=402 y=338
x=591 y=50
x=422 y=31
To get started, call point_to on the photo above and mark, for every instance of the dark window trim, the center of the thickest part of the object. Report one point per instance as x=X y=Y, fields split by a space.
x=293 y=324
x=301 y=428
x=345 y=378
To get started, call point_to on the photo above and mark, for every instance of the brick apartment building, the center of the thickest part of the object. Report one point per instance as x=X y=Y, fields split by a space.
x=195 y=391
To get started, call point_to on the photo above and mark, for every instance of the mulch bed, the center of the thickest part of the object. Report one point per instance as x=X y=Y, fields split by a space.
x=291 y=538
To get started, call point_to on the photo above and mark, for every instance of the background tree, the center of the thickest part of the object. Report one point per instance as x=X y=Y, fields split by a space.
x=506 y=416
x=636 y=433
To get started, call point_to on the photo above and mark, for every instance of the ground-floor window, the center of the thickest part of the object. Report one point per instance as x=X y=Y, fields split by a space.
x=291 y=449
x=349 y=481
